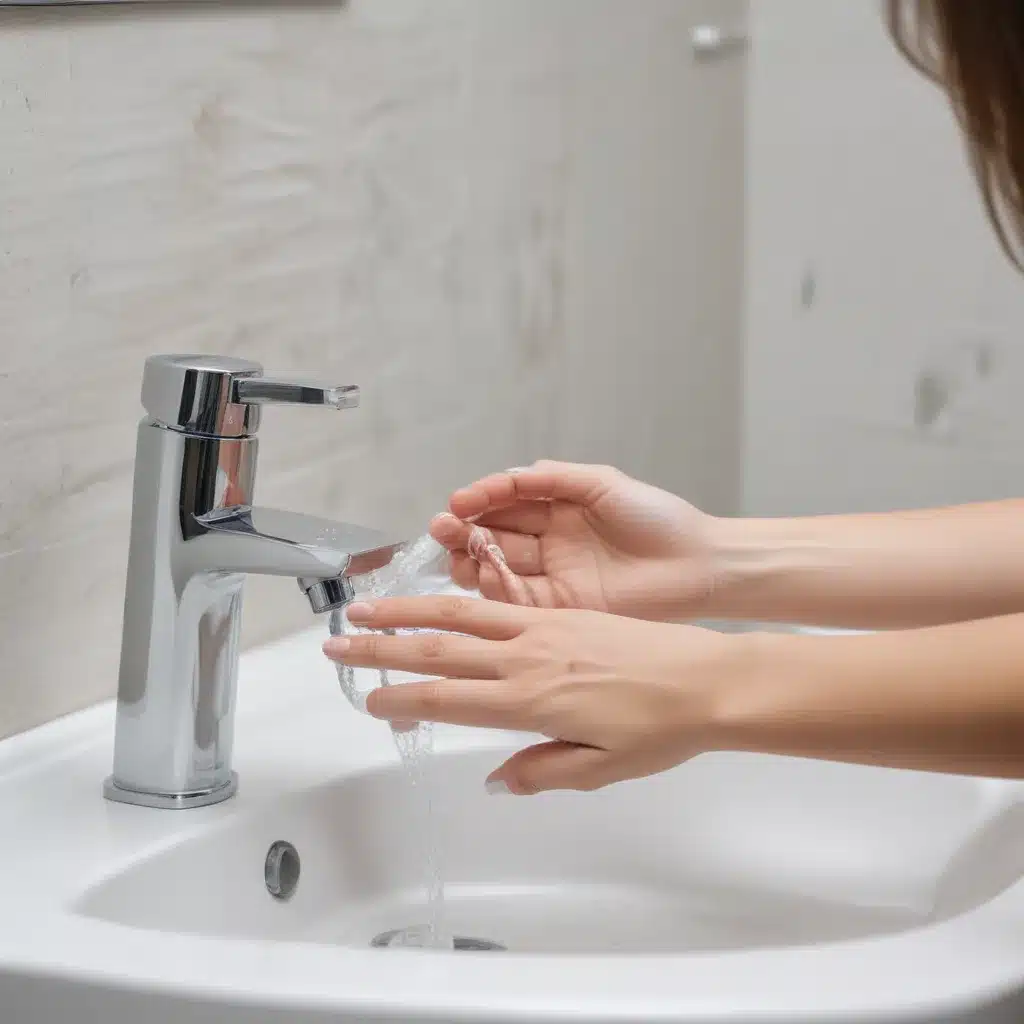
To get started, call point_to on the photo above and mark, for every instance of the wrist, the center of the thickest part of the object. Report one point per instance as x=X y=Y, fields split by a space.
x=944 y=698
x=756 y=564
x=747 y=697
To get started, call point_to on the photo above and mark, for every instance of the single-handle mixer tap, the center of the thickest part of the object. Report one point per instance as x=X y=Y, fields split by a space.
x=195 y=535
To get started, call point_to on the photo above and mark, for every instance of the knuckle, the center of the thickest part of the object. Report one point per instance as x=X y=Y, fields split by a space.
x=433 y=646
x=521 y=655
x=542 y=644
x=509 y=701
x=520 y=780
x=452 y=608
x=430 y=698
x=539 y=711
x=368 y=645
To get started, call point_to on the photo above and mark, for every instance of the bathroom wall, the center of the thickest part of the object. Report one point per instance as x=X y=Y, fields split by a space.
x=885 y=330
x=515 y=223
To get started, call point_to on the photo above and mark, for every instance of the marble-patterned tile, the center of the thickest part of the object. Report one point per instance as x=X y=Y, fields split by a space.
x=379 y=190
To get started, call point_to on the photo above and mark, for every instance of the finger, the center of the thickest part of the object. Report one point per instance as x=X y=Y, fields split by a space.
x=522 y=551
x=475 y=703
x=525 y=519
x=514 y=588
x=491 y=585
x=428 y=654
x=544 y=481
x=492 y=492
x=489 y=620
x=450 y=531
x=403 y=726
x=533 y=591
x=555 y=765
x=574 y=482
x=530 y=517
x=464 y=571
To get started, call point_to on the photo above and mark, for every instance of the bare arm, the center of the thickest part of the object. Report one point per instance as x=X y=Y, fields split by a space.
x=947 y=698
x=622 y=698
x=895 y=570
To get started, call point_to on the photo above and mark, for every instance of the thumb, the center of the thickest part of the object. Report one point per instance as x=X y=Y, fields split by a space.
x=543 y=481
x=573 y=482
x=553 y=765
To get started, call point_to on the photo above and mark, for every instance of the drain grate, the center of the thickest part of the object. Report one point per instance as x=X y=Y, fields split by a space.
x=467 y=945
x=462 y=943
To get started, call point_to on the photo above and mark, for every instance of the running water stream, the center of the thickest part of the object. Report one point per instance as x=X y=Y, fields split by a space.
x=417 y=570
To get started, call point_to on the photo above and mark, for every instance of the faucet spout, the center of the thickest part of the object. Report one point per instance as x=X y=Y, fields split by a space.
x=274 y=542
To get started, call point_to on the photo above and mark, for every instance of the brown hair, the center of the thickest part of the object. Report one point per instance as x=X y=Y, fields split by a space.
x=974 y=49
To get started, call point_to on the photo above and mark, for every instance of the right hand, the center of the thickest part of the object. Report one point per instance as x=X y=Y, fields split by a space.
x=617 y=697
x=585 y=537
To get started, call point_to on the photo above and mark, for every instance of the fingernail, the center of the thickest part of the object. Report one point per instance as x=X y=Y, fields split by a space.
x=360 y=611
x=337 y=646
x=447 y=515
x=517 y=469
x=497 y=787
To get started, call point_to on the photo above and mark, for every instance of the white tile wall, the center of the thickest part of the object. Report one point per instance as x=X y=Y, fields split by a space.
x=377 y=190
x=885 y=330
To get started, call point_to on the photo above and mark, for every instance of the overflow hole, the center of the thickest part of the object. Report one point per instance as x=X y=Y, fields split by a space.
x=281 y=870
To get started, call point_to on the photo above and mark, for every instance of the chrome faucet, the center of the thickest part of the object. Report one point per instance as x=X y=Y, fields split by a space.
x=195 y=534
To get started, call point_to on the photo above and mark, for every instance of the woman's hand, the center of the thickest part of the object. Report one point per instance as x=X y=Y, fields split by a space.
x=623 y=698
x=619 y=698
x=586 y=537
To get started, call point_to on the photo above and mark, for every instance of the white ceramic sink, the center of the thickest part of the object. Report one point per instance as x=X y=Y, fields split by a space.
x=735 y=888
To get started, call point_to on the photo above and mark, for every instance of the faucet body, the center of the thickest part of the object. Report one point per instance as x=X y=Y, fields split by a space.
x=195 y=535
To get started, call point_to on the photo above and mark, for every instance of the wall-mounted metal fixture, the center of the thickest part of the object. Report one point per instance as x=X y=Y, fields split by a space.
x=714 y=41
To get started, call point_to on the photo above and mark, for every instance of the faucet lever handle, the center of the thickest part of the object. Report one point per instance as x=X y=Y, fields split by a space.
x=285 y=389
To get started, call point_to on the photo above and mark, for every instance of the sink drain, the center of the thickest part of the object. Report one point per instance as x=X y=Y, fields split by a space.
x=461 y=943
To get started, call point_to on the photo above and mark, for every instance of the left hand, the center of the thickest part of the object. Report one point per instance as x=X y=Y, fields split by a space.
x=619 y=698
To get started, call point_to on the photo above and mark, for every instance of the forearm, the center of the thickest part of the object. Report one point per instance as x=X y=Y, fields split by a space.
x=947 y=698
x=895 y=570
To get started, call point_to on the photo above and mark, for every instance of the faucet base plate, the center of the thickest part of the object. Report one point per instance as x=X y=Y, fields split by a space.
x=169 y=801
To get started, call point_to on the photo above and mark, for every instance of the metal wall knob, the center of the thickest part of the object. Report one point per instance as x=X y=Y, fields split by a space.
x=713 y=40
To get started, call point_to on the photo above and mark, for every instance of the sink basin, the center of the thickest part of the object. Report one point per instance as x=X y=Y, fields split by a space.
x=655 y=867
x=734 y=888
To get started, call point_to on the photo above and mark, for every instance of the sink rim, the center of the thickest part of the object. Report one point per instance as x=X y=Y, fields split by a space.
x=885 y=975
x=53 y=776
